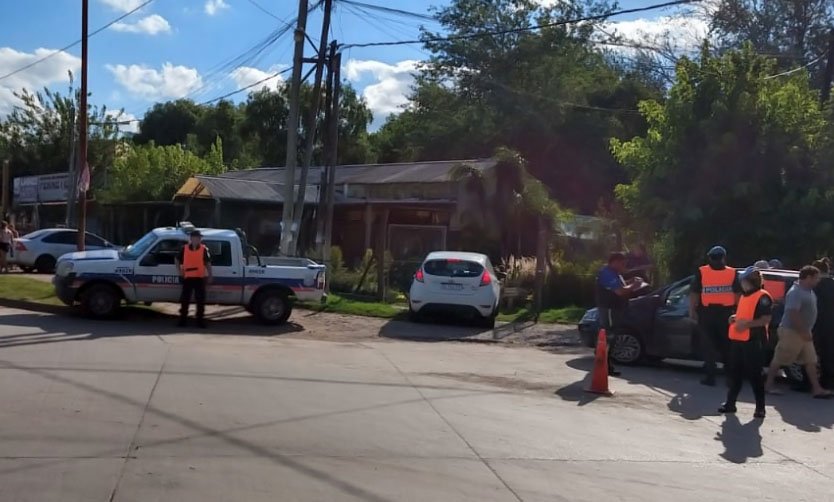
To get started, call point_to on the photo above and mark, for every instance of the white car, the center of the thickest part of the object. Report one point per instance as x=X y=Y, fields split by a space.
x=451 y=282
x=145 y=272
x=41 y=249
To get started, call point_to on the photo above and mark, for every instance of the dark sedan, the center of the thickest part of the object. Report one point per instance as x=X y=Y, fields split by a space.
x=657 y=325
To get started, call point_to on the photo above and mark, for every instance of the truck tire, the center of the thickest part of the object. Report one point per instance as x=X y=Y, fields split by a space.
x=101 y=301
x=272 y=307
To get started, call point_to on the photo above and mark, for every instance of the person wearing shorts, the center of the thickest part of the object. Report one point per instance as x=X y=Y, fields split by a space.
x=796 y=341
x=6 y=239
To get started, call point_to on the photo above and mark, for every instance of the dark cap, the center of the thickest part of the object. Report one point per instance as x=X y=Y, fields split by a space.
x=196 y=233
x=717 y=252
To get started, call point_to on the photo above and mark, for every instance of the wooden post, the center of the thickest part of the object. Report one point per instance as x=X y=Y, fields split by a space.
x=5 y=199
x=541 y=263
x=82 y=132
x=334 y=153
x=381 y=246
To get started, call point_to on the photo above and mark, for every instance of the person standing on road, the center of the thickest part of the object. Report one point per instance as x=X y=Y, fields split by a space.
x=612 y=293
x=824 y=327
x=194 y=263
x=713 y=297
x=6 y=241
x=795 y=338
x=748 y=337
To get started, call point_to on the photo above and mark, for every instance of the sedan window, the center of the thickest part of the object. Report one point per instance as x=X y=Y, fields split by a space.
x=453 y=268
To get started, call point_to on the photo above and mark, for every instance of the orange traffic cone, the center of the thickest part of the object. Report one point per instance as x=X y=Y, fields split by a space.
x=599 y=377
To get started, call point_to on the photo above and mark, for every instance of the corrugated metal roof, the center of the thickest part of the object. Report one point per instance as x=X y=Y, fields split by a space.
x=251 y=190
x=369 y=174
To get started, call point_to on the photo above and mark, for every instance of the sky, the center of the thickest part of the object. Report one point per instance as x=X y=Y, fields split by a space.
x=188 y=48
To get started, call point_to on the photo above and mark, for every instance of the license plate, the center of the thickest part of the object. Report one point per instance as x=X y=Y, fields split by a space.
x=452 y=286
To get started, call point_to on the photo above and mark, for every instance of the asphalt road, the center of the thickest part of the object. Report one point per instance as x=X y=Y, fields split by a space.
x=135 y=411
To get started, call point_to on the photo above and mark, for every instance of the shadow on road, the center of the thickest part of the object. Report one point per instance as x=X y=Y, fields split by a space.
x=37 y=328
x=741 y=441
x=434 y=332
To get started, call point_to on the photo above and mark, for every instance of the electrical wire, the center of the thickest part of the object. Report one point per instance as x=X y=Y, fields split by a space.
x=242 y=89
x=389 y=10
x=799 y=68
x=596 y=17
x=70 y=46
x=267 y=11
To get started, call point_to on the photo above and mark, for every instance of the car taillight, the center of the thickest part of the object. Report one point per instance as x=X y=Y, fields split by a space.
x=486 y=279
x=418 y=276
x=19 y=246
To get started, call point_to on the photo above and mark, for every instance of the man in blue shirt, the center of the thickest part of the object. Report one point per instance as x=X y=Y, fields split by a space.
x=612 y=293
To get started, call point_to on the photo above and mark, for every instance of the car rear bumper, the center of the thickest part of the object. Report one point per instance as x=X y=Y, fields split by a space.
x=451 y=309
x=65 y=288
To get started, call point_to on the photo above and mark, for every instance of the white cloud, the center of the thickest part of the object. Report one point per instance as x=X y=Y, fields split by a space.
x=393 y=82
x=247 y=75
x=150 y=25
x=683 y=33
x=123 y=5
x=50 y=71
x=212 y=7
x=170 y=82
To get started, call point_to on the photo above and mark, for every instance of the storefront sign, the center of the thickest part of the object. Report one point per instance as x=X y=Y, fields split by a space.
x=46 y=188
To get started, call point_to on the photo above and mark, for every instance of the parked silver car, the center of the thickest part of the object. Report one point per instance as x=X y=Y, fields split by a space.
x=41 y=249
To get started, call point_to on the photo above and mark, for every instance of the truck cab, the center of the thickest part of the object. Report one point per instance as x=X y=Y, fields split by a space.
x=146 y=272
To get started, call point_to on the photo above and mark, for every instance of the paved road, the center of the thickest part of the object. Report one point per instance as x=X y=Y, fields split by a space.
x=137 y=412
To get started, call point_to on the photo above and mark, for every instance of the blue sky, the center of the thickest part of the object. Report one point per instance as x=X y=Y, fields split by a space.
x=172 y=48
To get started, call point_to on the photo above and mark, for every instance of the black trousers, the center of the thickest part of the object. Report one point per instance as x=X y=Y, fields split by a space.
x=610 y=319
x=197 y=287
x=713 y=323
x=745 y=362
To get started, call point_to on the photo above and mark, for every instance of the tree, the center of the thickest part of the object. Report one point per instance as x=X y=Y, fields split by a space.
x=222 y=121
x=169 y=123
x=151 y=172
x=732 y=157
x=38 y=135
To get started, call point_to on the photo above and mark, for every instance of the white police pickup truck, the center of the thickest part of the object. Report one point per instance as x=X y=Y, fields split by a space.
x=145 y=272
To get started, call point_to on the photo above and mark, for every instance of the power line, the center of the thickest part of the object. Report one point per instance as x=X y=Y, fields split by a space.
x=597 y=17
x=389 y=10
x=267 y=11
x=229 y=94
x=70 y=46
x=794 y=70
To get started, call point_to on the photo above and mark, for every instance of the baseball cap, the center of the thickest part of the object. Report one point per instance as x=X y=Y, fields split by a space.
x=761 y=265
x=747 y=272
x=717 y=251
x=775 y=263
x=196 y=233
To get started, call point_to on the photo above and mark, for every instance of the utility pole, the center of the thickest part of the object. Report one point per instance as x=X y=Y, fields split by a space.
x=825 y=92
x=287 y=232
x=328 y=116
x=84 y=169
x=5 y=198
x=310 y=124
x=333 y=155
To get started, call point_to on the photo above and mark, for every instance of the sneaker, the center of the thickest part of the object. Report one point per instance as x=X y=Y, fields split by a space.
x=726 y=408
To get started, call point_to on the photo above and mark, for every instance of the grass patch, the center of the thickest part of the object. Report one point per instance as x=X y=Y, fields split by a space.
x=368 y=308
x=563 y=315
x=24 y=289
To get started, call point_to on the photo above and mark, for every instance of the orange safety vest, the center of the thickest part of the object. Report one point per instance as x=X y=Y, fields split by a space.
x=717 y=286
x=746 y=311
x=776 y=288
x=193 y=262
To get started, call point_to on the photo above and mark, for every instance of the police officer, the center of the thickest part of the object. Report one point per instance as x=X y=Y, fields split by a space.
x=194 y=263
x=714 y=294
x=747 y=336
x=612 y=294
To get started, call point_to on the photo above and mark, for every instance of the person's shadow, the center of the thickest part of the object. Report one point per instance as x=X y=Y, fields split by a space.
x=741 y=441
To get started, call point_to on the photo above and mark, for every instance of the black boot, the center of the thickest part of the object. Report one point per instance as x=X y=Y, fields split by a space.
x=727 y=408
x=760 y=412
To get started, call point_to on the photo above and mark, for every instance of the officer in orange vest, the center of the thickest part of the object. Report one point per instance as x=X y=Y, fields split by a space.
x=194 y=263
x=714 y=293
x=748 y=335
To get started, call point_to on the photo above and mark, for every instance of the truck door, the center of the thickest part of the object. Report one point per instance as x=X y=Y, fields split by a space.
x=227 y=272
x=156 y=276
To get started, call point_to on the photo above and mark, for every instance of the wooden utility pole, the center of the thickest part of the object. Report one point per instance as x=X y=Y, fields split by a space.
x=333 y=147
x=825 y=92
x=287 y=232
x=84 y=169
x=310 y=123
x=328 y=114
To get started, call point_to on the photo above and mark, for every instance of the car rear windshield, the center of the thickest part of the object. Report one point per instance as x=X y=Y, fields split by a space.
x=35 y=234
x=453 y=268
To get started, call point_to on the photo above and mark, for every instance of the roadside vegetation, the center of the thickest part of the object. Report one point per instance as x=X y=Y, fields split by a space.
x=25 y=289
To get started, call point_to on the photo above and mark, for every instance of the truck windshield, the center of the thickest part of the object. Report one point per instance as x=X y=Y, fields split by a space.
x=138 y=248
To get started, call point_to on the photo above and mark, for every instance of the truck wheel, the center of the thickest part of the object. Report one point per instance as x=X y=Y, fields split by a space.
x=272 y=307
x=100 y=301
x=45 y=264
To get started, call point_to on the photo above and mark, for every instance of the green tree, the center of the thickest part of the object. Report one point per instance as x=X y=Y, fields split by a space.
x=169 y=123
x=732 y=157
x=150 y=172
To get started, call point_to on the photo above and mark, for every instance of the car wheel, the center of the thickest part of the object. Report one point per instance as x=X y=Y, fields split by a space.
x=101 y=301
x=272 y=307
x=796 y=376
x=626 y=349
x=45 y=264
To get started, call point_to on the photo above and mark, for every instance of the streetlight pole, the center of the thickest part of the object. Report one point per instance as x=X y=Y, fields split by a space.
x=84 y=170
